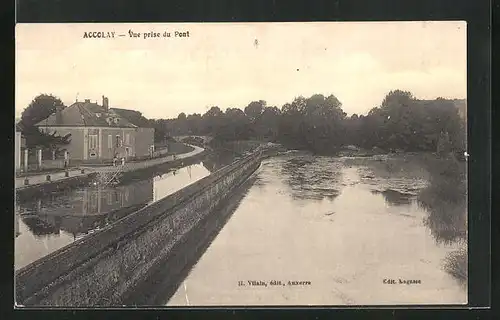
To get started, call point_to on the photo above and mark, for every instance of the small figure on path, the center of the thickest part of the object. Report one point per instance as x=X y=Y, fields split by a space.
x=123 y=161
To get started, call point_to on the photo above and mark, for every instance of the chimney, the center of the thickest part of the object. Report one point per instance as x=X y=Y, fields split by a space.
x=105 y=103
x=59 y=114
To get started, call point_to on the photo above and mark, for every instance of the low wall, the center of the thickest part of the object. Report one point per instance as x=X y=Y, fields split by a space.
x=107 y=266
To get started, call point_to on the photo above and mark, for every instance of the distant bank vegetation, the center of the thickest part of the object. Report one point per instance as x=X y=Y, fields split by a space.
x=318 y=124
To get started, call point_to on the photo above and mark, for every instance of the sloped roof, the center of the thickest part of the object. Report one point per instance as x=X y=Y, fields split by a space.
x=85 y=114
x=135 y=117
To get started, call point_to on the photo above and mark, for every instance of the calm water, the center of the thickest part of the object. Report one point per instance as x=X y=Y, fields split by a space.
x=344 y=225
x=49 y=223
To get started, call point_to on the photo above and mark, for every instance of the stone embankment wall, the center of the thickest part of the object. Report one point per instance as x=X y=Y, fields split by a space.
x=105 y=267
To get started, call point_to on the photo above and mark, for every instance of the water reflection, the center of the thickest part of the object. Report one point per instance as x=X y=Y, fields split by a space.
x=170 y=182
x=445 y=200
x=353 y=221
x=312 y=178
x=85 y=209
x=219 y=159
x=395 y=198
x=41 y=227
x=49 y=223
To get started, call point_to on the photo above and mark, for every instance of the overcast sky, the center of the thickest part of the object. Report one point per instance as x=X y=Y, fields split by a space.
x=222 y=64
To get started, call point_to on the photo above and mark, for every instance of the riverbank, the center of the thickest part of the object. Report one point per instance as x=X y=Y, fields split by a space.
x=47 y=183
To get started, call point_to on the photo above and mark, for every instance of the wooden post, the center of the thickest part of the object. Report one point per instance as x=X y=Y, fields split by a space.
x=26 y=152
x=66 y=158
x=39 y=158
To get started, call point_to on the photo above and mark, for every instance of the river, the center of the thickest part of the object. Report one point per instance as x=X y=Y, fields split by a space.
x=341 y=229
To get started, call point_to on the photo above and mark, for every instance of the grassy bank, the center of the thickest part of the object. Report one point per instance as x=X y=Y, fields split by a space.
x=237 y=146
x=445 y=200
x=175 y=147
x=456 y=264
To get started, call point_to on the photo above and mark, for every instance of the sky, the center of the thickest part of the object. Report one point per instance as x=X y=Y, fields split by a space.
x=232 y=64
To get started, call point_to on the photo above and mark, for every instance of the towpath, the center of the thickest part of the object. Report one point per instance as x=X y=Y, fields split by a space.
x=132 y=166
x=41 y=179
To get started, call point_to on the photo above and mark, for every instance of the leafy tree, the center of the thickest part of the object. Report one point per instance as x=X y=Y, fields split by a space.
x=319 y=121
x=254 y=109
x=267 y=126
x=233 y=125
x=194 y=124
x=444 y=145
x=39 y=139
x=396 y=111
x=291 y=126
x=161 y=130
x=39 y=109
x=212 y=119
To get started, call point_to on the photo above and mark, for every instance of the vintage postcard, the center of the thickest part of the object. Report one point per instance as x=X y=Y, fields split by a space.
x=241 y=164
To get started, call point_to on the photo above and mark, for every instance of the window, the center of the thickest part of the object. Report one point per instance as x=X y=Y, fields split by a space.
x=92 y=141
x=93 y=200
x=118 y=141
x=110 y=141
x=127 y=139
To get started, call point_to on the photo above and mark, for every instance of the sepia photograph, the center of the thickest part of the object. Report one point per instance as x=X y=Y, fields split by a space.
x=241 y=164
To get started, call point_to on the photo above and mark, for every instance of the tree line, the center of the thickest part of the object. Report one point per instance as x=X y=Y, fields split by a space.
x=319 y=124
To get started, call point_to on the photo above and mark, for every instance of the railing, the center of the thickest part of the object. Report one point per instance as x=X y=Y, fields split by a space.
x=104 y=178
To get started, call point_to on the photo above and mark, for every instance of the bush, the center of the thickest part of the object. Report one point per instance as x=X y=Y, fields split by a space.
x=456 y=264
